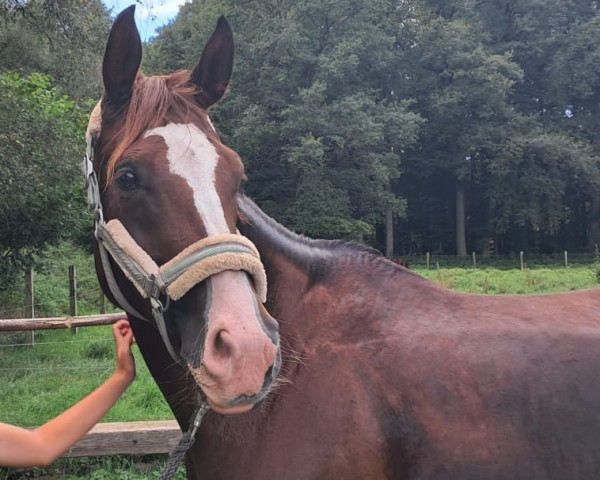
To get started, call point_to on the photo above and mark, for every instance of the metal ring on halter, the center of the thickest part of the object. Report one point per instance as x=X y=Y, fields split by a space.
x=159 y=306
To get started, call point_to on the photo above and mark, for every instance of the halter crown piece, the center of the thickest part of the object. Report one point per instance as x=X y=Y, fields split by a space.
x=171 y=281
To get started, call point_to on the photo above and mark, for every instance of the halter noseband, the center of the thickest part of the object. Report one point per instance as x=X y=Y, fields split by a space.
x=175 y=278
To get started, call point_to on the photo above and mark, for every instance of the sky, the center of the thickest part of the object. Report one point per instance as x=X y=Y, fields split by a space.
x=149 y=14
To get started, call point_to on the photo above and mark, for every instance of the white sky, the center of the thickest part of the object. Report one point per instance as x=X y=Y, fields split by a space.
x=149 y=14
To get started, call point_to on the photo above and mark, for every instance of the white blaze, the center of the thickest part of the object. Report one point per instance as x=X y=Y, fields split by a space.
x=194 y=158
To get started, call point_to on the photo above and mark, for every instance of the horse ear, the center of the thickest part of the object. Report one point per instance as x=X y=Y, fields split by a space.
x=122 y=57
x=213 y=71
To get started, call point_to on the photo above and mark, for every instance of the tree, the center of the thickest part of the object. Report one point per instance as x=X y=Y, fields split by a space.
x=41 y=197
x=314 y=114
x=490 y=155
x=463 y=90
x=64 y=39
x=476 y=119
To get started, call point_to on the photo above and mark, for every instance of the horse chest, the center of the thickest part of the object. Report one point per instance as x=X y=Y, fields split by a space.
x=320 y=427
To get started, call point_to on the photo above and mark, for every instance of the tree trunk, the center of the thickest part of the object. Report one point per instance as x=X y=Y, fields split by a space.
x=461 y=236
x=389 y=233
x=594 y=228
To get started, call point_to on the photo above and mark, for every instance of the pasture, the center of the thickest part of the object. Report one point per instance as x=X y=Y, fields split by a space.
x=39 y=383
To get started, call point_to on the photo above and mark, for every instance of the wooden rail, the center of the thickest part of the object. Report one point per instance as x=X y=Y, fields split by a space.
x=128 y=438
x=54 y=323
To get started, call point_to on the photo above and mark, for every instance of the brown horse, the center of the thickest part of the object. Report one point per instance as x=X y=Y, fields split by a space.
x=369 y=371
x=400 y=261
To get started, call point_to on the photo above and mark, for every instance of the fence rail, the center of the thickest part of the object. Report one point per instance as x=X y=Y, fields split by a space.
x=128 y=438
x=55 y=323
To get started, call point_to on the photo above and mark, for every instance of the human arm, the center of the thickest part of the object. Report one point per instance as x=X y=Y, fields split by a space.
x=22 y=447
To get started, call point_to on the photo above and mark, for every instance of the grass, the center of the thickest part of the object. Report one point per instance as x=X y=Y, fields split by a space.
x=41 y=382
x=97 y=468
x=504 y=282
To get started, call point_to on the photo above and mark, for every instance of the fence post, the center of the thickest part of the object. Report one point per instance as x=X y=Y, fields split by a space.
x=521 y=258
x=73 y=294
x=102 y=302
x=30 y=301
x=427 y=258
x=566 y=259
x=474 y=260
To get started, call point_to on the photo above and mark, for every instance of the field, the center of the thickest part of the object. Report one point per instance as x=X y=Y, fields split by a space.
x=505 y=282
x=38 y=383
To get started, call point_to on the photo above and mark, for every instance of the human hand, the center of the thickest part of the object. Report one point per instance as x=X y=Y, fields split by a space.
x=124 y=339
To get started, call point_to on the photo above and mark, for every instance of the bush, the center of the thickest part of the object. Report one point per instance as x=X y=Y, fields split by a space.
x=41 y=194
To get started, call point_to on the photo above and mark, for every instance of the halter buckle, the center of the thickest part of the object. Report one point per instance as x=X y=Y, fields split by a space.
x=157 y=305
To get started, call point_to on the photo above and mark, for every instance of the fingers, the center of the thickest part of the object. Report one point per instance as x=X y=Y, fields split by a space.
x=124 y=339
x=122 y=332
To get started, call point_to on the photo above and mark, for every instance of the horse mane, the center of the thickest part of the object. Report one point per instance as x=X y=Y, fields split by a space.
x=299 y=248
x=152 y=98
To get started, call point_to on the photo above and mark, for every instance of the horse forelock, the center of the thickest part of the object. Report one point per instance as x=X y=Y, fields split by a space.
x=153 y=99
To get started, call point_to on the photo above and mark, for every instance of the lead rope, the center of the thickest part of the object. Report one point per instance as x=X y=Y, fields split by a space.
x=185 y=443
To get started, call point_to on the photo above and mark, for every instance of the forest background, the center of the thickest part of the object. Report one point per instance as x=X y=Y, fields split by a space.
x=443 y=126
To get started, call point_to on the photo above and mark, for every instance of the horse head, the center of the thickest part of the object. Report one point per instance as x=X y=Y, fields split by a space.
x=166 y=214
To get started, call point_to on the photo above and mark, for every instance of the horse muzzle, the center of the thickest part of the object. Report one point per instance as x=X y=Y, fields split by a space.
x=240 y=355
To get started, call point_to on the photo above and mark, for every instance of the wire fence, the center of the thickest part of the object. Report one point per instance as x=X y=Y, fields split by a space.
x=520 y=260
x=76 y=291
x=52 y=293
x=43 y=374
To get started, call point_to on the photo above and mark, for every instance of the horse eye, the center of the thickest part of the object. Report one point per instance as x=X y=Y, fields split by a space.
x=127 y=180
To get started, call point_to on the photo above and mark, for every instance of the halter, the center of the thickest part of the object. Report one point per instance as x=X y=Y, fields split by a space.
x=175 y=278
x=170 y=281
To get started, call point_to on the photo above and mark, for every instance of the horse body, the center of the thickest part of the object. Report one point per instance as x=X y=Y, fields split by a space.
x=354 y=367
x=401 y=378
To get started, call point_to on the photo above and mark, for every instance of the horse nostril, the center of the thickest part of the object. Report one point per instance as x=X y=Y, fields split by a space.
x=269 y=373
x=222 y=346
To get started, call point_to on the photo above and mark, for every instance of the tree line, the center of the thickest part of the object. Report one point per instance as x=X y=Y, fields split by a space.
x=447 y=126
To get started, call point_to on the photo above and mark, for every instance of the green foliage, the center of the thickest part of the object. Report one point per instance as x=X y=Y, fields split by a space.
x=41 y=197
x=63 y=39
x=346 y=110
x=323 y=134
x=51 y=285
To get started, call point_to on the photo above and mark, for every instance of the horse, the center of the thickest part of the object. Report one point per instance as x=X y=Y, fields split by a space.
x=400 y=261
x=319 y=359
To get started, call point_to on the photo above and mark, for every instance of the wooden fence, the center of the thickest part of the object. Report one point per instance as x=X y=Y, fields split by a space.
x=118 y=438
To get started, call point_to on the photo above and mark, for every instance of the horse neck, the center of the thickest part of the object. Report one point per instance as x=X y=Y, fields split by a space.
x=291 y=261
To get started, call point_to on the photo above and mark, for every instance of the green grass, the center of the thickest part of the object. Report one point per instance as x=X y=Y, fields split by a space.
x=40 y=382
x=51 y=286
x=504 y=282
x=97 y=468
